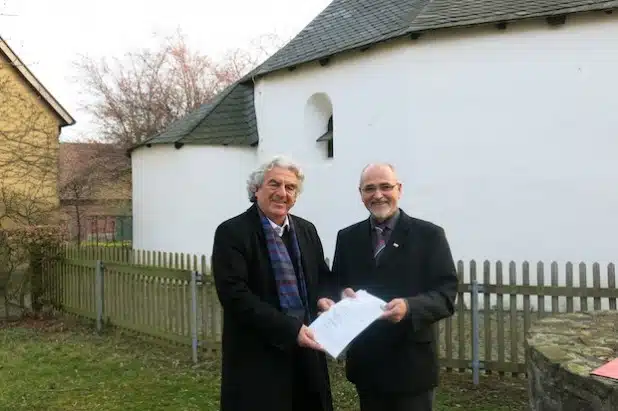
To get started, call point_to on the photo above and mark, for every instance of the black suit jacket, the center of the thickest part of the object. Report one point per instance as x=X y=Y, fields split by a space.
x=260 y=351
x=416 y=265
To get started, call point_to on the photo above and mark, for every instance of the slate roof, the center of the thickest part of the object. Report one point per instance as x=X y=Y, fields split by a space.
x=346 y=25
x=229 y=119
x=349 y=24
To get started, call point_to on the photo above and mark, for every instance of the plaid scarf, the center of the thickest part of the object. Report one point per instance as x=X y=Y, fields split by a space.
x=289 y=289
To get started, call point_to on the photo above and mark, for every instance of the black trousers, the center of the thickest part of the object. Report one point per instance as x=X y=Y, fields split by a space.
x=305 y=396
x=306 y=401
x=375 y=401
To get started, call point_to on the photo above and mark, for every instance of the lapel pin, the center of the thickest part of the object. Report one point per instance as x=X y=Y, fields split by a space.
x=395 y=245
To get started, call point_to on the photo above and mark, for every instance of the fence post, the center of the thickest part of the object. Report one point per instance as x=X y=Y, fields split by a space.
x=195 y=278
x=474 y=308
x=99 y=293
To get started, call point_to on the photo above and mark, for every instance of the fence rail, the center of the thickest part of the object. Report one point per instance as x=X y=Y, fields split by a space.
x=174 y=304
x=171 y=296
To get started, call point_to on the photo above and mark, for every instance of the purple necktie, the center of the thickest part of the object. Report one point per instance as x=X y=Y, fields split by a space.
x=380 y=244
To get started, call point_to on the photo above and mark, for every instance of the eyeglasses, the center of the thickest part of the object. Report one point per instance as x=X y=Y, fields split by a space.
x=384 y=187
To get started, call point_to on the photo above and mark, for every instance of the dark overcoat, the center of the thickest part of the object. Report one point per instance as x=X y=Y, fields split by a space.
x=260 y=347
x=416 y=265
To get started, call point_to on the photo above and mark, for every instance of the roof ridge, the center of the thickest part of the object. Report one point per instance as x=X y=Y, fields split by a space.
x=220 y=98
x=34 y=82
x=416 y=11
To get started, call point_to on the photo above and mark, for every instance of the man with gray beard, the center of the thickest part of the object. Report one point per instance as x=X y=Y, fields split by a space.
x=408 y=263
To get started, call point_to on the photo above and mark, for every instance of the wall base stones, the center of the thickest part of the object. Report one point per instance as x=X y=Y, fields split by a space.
x=561 y=351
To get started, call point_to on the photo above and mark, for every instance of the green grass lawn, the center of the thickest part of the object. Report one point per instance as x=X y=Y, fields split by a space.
x=54 y=366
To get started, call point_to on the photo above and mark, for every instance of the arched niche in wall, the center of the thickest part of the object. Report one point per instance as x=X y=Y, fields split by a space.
x=319 y=123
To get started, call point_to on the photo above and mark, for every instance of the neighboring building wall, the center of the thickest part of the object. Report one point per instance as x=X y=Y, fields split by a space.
x=29 y=132
x=95 y=184
x=505 y=138
x=180 y=196
x=100 y=221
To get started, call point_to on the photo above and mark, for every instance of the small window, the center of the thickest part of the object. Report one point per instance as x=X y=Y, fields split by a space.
x=328 y=137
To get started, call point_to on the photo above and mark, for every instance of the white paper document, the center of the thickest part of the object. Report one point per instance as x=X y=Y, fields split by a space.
x=338 y=326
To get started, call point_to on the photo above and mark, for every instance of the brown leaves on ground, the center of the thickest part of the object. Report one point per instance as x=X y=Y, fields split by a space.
x=492 y=393
x=45 y=322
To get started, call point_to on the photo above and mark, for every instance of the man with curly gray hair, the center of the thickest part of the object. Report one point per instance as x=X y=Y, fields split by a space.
x=256 y=178
x=269 y=269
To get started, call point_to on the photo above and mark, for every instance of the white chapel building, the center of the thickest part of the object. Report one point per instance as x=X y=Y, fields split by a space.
x=500 y=116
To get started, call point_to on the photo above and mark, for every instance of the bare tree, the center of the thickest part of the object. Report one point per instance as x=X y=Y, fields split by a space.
x=137 y=97
x=238 y=62
x=77 y=181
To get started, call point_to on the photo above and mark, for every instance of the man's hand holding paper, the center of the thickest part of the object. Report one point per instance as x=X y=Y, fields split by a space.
x=307 y=339
x=335 y=328
x=395 y=310
x=324 y=304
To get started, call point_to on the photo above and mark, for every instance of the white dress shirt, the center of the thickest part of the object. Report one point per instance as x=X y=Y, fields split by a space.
x=279 y=228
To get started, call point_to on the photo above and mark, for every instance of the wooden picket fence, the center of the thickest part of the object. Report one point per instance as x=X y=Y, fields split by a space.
x=144 y=292
x=150 y=293
x=510 y=298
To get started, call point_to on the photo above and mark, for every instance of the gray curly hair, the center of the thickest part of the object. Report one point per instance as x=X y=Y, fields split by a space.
x=256 y=178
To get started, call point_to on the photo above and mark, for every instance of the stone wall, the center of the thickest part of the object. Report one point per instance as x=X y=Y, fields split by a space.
x=561 y=351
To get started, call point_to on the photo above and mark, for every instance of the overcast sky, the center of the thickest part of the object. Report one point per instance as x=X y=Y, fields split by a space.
x=49 y=35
